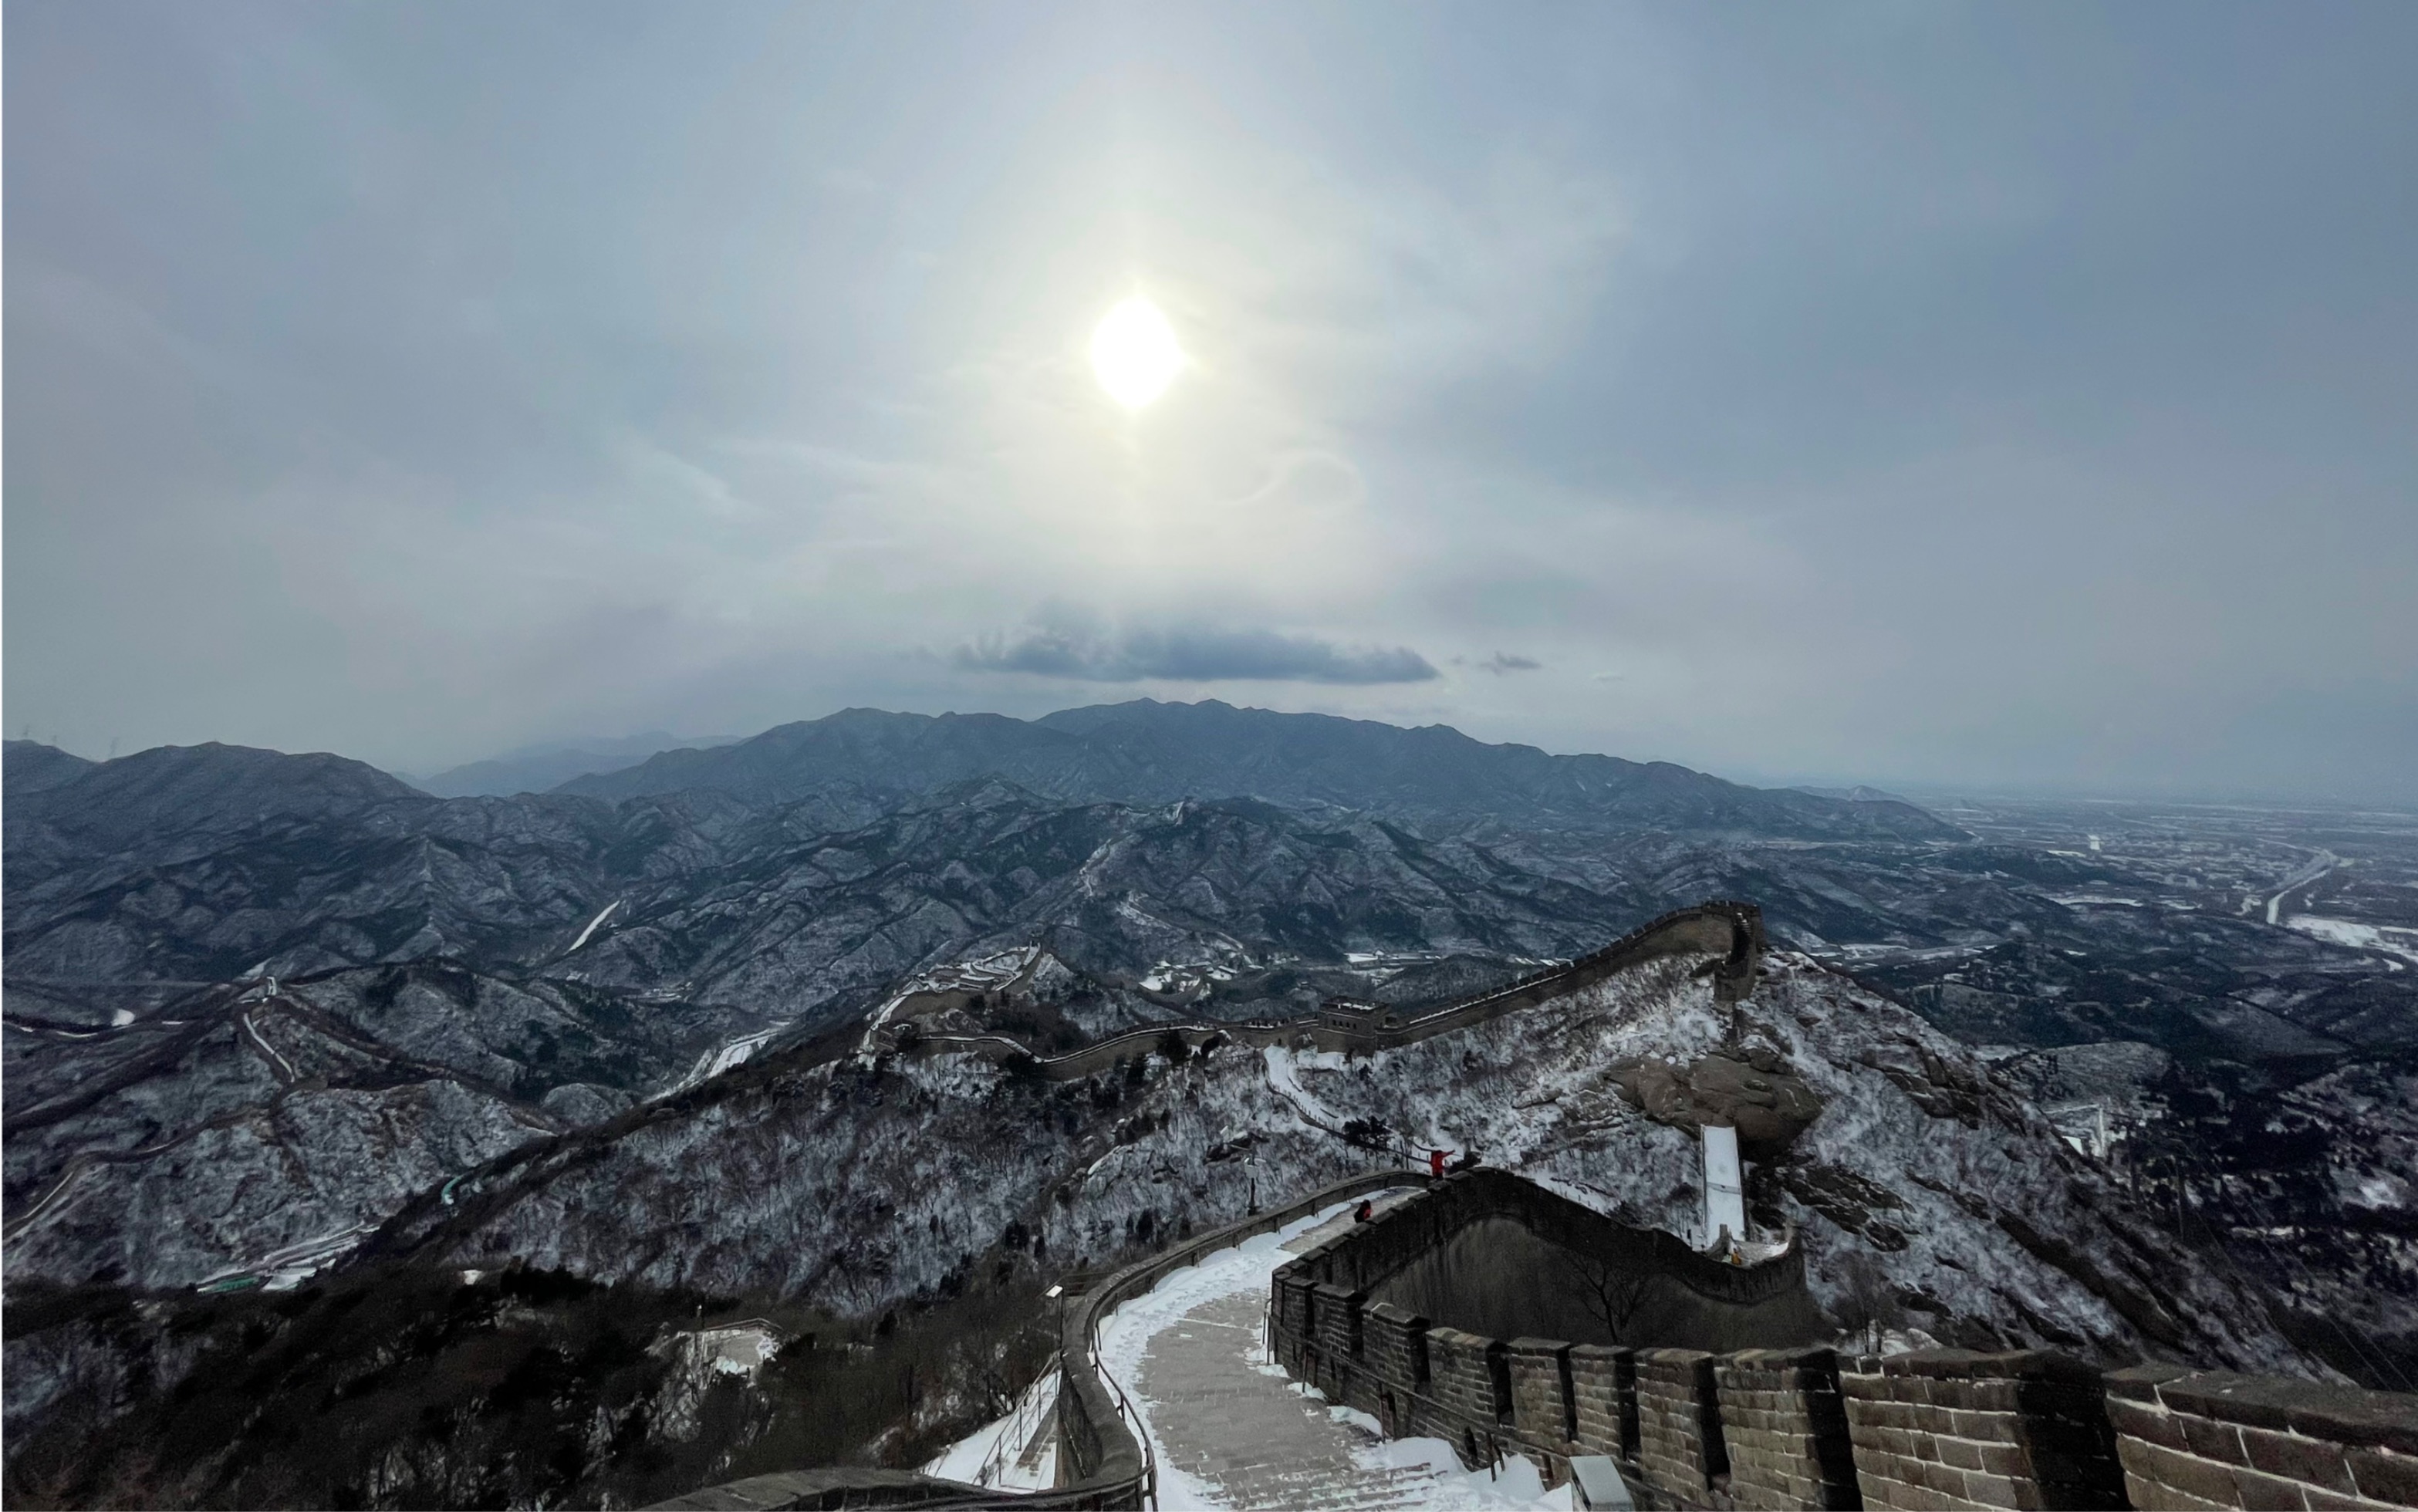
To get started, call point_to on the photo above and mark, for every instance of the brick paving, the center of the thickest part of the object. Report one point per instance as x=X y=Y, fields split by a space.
x=1233 y=1432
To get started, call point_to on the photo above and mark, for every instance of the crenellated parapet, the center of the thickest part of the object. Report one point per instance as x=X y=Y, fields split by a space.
x=1810 y=1426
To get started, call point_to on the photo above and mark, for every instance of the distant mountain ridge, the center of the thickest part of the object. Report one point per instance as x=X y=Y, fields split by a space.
x=1147 y=752
x=536 y=768
x=171 y=790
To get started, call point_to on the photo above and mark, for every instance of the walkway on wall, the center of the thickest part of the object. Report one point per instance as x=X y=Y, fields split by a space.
x=1728 y=931
x=1230 y=1432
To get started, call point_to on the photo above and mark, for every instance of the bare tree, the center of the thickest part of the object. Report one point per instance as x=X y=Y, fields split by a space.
x=1867 y=1303
x=1611 y=1289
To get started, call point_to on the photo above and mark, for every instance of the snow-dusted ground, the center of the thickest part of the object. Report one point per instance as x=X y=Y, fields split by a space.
x=722 y=1058
x=2388 y=938
x=857 y=1187
x=1228 y=1430
x=1018 y=1452
x=1284 y=1079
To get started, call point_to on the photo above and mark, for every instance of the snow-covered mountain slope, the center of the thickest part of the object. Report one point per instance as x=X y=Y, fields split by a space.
x=854 y=1187
x=460 y=979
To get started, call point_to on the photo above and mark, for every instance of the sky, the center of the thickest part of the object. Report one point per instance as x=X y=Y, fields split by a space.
x=2011 y=396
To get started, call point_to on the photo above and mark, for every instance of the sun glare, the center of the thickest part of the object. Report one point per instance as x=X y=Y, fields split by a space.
x=1134 y=353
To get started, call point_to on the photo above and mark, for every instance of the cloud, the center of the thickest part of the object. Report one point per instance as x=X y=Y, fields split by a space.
x=1089 y=655
x=1502 y=663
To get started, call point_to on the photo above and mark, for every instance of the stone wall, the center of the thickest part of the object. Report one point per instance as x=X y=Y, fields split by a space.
x=2211 y=1439
x=1726 y=928
x=1806 y=1427
x=1387 y=1255
x=1950 y=1429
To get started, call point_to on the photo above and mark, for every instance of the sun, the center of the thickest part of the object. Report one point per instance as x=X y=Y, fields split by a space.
x=1134 y=353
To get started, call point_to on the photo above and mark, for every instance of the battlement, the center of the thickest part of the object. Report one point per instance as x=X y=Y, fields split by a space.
x=1812 y=1427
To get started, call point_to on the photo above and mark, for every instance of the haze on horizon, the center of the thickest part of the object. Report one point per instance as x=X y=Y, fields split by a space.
x=1984 y=396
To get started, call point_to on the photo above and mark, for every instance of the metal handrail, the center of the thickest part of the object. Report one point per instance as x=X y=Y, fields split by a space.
x=1019 y=1428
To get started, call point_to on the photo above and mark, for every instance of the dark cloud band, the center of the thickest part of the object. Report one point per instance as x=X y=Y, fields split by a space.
x=1191 y=656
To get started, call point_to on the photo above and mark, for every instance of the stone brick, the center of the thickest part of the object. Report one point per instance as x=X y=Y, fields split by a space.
x=2212 y=1441
x=2324 y=1501
x=2313 y=1462
x=1679 y=1421
x=2255 y=1492
x=2385 y=1476
x=1961 y=1453
x=1785 y=1426
x=2187 y=1474
x=2152 y=1497
x=2145 y=1422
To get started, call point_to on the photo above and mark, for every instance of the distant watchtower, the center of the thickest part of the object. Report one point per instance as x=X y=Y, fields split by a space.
x=1356 y=1017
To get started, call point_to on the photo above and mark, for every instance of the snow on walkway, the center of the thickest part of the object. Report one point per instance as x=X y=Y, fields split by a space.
x=1230 y=1432
x=1019 y=1452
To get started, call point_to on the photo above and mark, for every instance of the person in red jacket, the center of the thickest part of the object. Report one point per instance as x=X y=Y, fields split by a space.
x=1435 y=1164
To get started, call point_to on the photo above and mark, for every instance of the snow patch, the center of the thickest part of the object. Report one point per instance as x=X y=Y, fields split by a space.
x=2386 y=938
x=591 y=925
x=1018 y=1452
x=723 y=1058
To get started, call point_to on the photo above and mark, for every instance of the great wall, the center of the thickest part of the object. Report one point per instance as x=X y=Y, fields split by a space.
x=1813 y=1426
x=1796 y=1423
x=1727 y=931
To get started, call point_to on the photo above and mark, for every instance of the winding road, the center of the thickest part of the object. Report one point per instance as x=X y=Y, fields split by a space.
x=2326 y=860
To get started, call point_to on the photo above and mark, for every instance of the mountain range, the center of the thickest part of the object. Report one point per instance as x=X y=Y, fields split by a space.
x=536 y=769
x=268 y=1014
x=1146 y=752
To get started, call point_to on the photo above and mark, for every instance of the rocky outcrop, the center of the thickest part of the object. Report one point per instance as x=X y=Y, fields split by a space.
x=1754 y=1093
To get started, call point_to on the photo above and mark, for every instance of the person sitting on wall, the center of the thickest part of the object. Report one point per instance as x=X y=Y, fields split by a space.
x=1365 y=1211
x=1467 y=1161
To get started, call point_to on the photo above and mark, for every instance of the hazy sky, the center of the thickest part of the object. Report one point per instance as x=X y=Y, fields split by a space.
x=2004 y=395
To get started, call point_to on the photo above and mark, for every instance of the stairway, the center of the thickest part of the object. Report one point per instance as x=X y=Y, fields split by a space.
x=1231 y=1434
